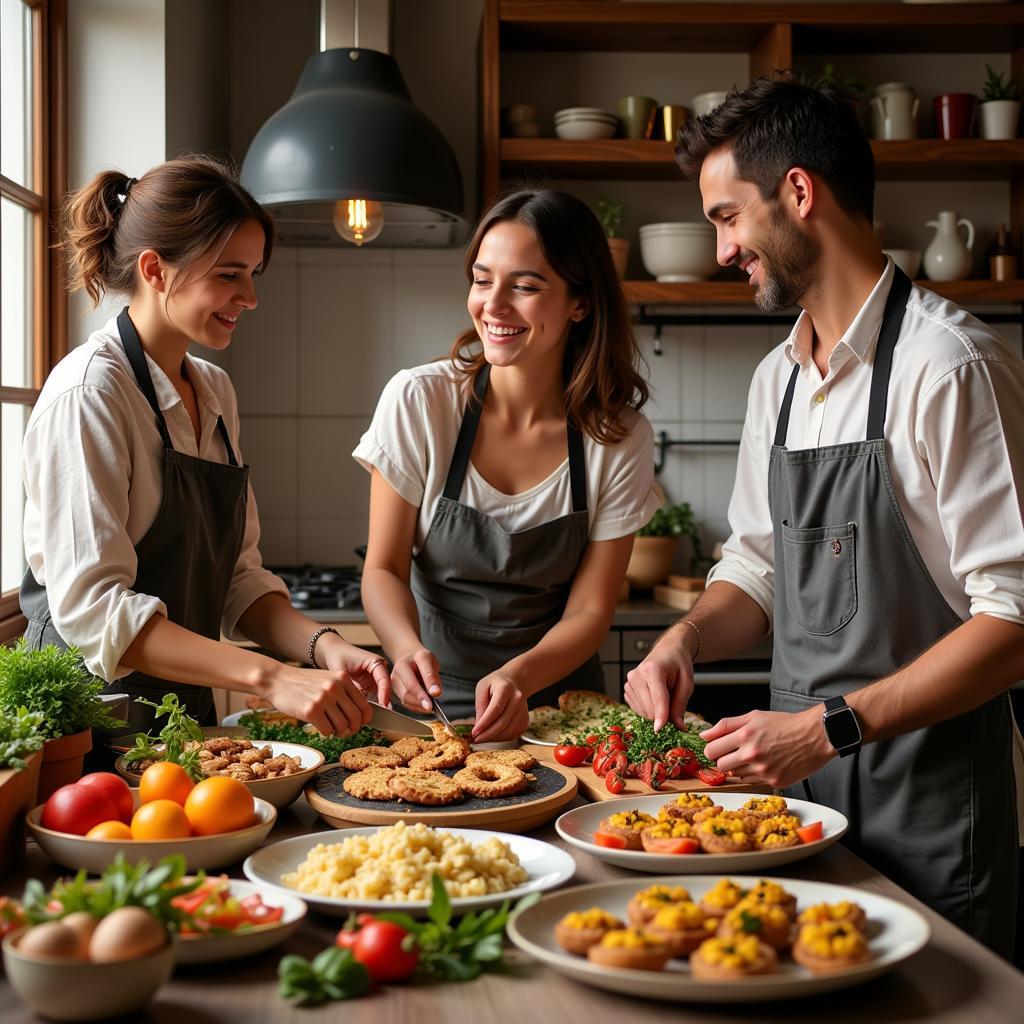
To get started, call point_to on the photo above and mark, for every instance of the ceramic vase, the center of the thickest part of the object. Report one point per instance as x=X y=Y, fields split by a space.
x=947 y=258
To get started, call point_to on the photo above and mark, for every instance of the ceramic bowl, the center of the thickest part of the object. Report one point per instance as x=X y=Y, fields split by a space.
x=908 y=260
x=686 y=254
x=581 y=129
x=280 y=792
x=707 y=101
x=204 y=852
x=79 y=990
x=596 y=113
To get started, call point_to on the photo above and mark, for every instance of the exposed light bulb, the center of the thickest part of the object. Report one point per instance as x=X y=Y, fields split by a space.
x=358 y=220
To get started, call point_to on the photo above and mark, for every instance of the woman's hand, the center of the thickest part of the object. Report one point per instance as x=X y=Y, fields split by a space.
x=415 y=679
x=501 y=712
x=330 y=701
x=368 y=671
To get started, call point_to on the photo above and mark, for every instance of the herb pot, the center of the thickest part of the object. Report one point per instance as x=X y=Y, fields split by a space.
x=999 y=119
x=651 y=561
x=17 y=797
x=62 y=761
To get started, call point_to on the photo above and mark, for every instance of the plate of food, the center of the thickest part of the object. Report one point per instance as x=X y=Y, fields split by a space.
x=390 y=868
x=692 y=833
x=709 y=938
x=229 y=918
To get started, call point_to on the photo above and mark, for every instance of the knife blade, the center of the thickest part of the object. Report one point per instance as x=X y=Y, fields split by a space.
x=395 y=721
x=443 y=718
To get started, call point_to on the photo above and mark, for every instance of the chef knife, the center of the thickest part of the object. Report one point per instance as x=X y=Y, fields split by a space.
x=394 y=721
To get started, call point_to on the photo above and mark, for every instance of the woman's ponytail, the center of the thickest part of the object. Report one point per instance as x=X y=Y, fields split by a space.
x=90 y=223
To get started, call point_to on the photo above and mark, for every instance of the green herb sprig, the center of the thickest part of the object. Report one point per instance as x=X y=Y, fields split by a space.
x=21 y=734
x=332 y=747
x=645 y=741
x=333 y=974
x=1001 y=85
x=180 y=731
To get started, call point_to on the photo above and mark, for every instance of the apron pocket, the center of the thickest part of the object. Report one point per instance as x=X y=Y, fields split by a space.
x=821 y=577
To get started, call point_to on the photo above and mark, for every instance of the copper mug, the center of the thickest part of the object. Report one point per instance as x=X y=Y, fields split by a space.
x=670 y=120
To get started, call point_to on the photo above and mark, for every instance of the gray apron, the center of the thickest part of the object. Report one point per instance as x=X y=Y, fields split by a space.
x=187 y=557
x=485 y=595
x=934 y=809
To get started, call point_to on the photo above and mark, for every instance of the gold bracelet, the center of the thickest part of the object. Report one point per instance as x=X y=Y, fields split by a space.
x=693 y=626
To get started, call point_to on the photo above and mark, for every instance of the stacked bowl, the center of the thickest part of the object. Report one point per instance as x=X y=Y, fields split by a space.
x=585 y=123
x=679 y=251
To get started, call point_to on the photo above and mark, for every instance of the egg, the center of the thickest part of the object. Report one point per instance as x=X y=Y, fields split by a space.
x=52 y=939
x=126 y=934
x=83 y=924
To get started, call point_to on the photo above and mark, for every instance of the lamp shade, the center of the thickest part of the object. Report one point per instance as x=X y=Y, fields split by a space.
x=350 y=130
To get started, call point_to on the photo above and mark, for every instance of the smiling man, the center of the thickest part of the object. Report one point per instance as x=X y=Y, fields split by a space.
x=877 y=522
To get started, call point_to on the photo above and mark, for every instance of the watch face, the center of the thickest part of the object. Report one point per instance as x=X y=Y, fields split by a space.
x=842 y=728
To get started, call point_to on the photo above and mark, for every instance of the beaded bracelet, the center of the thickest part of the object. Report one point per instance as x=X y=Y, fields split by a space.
x=313 y=639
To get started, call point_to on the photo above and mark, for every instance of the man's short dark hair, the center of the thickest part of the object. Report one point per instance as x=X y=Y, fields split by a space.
x=781 y=122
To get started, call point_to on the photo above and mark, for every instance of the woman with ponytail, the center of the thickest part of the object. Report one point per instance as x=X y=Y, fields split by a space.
x=141 y=530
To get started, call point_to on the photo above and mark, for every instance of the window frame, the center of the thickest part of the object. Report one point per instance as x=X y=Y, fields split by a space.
x=50 y=176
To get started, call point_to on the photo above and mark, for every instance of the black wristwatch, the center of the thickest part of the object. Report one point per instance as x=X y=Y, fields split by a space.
x=842 y=727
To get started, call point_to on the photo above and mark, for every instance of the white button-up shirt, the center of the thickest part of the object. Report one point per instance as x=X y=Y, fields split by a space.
x=92 y=465
x=954 y=434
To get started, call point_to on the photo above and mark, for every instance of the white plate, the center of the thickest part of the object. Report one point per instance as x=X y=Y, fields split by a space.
x=547 y=867
x=204 y=852
x=895 y=932
x=207 y=949
x=528 y=737
x=577 y=827
x=235 y=718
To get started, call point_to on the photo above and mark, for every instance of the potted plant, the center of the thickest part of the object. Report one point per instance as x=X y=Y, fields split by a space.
x=55 y=683
x=610 y=213
x=1000 y=104
x=21 y=742
x=656 y=543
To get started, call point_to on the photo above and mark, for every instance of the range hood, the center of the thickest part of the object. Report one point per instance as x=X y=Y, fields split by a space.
x=350 y=132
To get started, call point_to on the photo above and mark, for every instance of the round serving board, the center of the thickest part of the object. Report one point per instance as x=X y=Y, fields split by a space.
x=553 y=789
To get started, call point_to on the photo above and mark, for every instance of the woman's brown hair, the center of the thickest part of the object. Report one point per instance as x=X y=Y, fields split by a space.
x=181 y=209
x=602 y=356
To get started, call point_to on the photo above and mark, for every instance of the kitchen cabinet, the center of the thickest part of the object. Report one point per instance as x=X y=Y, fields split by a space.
x=770 y=36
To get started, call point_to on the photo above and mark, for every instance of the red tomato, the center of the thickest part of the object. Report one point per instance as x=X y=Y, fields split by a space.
x=653 y=773
x=601 y=764
x=615 y=742
x=258 y=912
x=615 y=728
x=810 y=833
x=682 y=845
x=592 y=740
x=115 y=789
x=76 y=809
x=711 y=776
x=614 y=783
x=378 y=947
x=571 y=756
x=612 y=841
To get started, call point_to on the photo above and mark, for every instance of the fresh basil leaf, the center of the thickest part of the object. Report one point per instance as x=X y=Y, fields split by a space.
x=440 y=911
x=488 y=949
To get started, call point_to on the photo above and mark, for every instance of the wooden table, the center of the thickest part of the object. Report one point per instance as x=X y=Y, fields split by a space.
x=954 y=979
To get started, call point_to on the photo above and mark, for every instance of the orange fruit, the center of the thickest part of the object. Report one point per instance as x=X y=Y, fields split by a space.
x=109 y=830
x=160 y=819
x=165 y=781
x=219 y=804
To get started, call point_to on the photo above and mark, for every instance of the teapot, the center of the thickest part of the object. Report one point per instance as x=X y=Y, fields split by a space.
x=947 y=258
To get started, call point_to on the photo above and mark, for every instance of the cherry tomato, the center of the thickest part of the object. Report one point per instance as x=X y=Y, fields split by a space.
x=614 y=783
x=681 y=845
x=652 y=773
x=617 y=762
x=810 y=833
x=258 y=912
x=609 y=839
x=378 y=946
x=592 y=740
x=76 y=809
x=615 y=728
x=571 y=756
x=600 y=764
x=115 y=789
x=711 y=776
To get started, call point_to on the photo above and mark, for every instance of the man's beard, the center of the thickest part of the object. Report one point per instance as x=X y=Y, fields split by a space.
x=789 y=265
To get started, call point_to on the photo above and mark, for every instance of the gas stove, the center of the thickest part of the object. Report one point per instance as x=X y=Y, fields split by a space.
x=314 y=587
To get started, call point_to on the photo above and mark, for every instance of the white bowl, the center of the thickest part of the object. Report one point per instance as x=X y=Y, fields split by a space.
x=572 y=112
x=79 y=990
x=580 y=130
x=908 y=260
x=280 y=792
x=680 y=256
x=707 y=101
x=199 y=851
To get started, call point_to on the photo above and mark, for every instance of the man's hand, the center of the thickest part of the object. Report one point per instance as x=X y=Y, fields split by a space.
x=660 y=687
x=776 y=748
x=501 y=712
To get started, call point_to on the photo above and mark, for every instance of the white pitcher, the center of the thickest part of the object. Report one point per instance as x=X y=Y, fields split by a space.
x=947 y=258
x=894 y=111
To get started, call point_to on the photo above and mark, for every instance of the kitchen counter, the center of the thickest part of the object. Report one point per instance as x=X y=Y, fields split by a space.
x=953 y=979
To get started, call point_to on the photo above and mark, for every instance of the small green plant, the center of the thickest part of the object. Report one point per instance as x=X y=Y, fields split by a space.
x=1001 y=85
x=853 y=86
x=176 y=736
x=676 y=521
x=21 y=734
x=55 y=684
x=610 y=214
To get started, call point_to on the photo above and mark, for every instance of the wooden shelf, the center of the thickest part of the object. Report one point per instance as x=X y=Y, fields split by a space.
x=739 y=293
x=571 y=25
x=639 y=159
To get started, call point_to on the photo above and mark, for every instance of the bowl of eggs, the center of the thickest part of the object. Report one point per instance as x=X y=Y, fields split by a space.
x=86 y=968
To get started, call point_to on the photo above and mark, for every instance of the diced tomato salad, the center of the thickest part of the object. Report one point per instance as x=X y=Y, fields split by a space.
x=212 y=908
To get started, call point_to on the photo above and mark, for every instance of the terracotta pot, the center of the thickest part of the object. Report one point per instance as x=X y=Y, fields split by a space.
x=17 y=797
x=620 y=255
x=62 y=761
x=651 y=561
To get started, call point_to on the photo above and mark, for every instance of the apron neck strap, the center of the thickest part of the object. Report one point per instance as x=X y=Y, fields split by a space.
x=892 y=320
x=467 y=436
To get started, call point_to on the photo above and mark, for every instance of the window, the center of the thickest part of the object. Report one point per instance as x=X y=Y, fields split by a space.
x=32 y=304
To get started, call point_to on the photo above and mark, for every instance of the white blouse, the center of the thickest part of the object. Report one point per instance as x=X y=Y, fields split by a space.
x=92 y=465
x=412 y=437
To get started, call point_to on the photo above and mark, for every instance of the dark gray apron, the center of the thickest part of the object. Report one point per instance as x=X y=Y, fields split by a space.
x=187 y=557
x=934 y=809
x=485 y=595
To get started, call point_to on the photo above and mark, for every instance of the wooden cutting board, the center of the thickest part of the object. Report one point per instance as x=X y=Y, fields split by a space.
x=594 y=788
